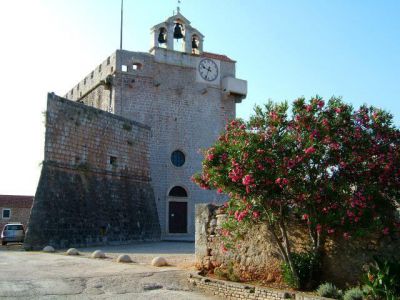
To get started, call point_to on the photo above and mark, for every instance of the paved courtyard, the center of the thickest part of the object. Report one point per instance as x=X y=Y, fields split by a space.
x=37 y=275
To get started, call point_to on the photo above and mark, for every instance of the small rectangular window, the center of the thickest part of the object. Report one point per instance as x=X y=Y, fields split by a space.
x=6 y=213
x=99 y=68
x=113 y=160
x=91 y=75
x=108 y=61
x=124 y=68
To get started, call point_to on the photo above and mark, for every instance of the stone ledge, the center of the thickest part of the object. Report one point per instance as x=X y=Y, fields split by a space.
x=235 y=290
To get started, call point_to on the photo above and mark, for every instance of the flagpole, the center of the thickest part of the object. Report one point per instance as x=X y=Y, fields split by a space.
x=122 y=20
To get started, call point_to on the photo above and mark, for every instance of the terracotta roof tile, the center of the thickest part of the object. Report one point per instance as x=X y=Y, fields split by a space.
x=11 y=201
x=217 y=56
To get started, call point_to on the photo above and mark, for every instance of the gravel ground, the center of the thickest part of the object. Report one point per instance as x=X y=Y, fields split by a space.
x=37 y=275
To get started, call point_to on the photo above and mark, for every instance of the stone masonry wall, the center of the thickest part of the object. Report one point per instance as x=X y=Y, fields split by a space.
x=233 y=290
x=184 y=115
x=161 y=91
x=95 y=183
x=256 y=255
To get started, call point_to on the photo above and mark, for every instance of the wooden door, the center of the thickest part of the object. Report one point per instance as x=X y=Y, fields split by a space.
x=177 y=217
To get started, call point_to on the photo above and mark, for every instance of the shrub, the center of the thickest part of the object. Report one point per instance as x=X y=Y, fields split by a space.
x=227 y=274
x=353 y=294
x=334 y=167
x=328 y=290
x=307 y=267
x=382 y=280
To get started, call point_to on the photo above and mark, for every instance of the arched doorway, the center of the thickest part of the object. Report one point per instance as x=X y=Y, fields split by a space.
x=177 y=210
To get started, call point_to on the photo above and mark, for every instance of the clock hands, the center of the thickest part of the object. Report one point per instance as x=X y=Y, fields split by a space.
x=208 y=70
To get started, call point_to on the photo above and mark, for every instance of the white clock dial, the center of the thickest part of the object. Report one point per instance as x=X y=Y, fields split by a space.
x=208 y=69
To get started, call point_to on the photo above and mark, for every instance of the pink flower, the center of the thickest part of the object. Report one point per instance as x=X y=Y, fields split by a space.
x=273 y=115
x=310 y=150
x=239 y=216
x=305 y=217
x=223 y=248
x=334 y=146
x=224 y=156
x=247 y=180
x=281 y=182
x=331 y=231
x=210 y=156
x=256 y=214
x=321 y=104
x=308 y=108
x=260 y=167
x=338 y=110
x=346 y=236
x=291 y=164
x=385 y=231
x=225 y=232
x=219 y=191
x=318 y=228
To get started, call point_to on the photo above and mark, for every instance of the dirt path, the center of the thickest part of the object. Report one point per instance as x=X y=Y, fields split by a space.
x=36 y=275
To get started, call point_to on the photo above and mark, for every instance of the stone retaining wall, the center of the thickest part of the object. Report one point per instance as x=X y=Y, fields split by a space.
x=255 y=256
x=232 y=290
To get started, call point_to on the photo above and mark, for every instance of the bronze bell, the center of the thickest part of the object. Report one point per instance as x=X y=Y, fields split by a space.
x=195 y=44
x=178 y=31
x=161 y=36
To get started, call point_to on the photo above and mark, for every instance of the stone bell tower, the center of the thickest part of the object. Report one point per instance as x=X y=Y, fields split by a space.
x=185 y=95
x=177 y=27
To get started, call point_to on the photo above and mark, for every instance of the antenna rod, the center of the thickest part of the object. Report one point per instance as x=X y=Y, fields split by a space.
x=122 y=23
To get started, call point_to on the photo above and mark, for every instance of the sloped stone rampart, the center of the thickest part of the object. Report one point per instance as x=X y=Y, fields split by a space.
x=95 y=183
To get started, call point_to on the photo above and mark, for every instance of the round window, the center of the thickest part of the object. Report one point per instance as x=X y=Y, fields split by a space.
x=178 y=158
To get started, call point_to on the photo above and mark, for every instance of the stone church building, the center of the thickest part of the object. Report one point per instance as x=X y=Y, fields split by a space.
x=121 y=146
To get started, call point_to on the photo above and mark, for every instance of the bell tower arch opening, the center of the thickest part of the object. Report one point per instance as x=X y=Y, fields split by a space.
x=177 y=34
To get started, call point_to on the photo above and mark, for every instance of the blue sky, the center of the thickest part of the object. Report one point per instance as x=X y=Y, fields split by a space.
x=285 y=49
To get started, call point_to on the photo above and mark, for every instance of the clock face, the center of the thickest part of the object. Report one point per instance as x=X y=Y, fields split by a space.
x=208 y=69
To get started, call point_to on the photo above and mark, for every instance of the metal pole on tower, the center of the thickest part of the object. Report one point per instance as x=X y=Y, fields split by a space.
x=122 y=23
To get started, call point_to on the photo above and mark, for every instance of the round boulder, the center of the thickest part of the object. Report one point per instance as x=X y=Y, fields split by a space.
x=98 y=254
x=123 y=258
x=159 y=261
x=72 y=251
x=48 y=249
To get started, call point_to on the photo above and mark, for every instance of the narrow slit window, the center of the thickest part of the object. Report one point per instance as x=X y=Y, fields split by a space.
x=113 y=160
